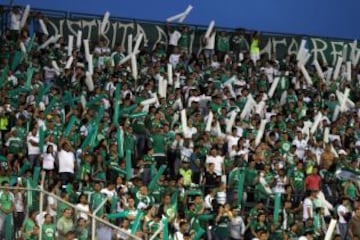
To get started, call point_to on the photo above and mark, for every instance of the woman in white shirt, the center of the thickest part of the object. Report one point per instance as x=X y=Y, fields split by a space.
x=82 y=208
x=48 y=163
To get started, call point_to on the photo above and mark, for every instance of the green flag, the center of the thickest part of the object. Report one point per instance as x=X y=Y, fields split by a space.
x=157 y=177
x=41 y=139
x=16 y=60
x=137 y=221
x=43 y=91
x=240 y=187
x=128 y=165
x=116 y=105
x=29 y=75
x=122 y=214
x=4 y=76
x=50 y=106
x=36 y=176
x=137 y=115
x=277 y=204
x=165 y=222
x=70 y=124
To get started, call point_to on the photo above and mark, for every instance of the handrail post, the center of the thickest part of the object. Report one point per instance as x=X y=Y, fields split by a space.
x=41 y=208
x=93 y=220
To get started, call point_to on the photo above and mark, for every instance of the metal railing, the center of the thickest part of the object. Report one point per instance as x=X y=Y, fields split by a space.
x=94 y=218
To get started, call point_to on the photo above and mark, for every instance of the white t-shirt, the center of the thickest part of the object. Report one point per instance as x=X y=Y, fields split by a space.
x=210 y=44
x=190 y=131
x=208 y=201
x=49 y=73
x=108 y=193
x=84 y=209
x=307 y=204
x=66 y=161
x=15 y=20
x=32 y=150
x=343 y=209
x=174 y=59
x=51 y=201
x=218 y=162
x=48 y=161
x=174 y=38
x=231 y=140
x=301 y=145
x=19 y=202
x=178 y=236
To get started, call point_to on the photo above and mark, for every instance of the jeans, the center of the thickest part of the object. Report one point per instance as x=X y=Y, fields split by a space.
x=6 y=233
x=146 y=175
x=34 y=160
x=141 y=145
x=343 y=230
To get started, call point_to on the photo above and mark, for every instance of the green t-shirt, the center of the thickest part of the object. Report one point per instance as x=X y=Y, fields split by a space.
x=6 y=200
x=158 y=143
x=48 y=231
x=223 y=44
x=15 y=145
x=96 y=199
x=82 y=234
x=222 y=227
x=129 y=142
x=139 y=126
x=250 y=176
x=65 y=225
x=29 y=226
x=298 y=179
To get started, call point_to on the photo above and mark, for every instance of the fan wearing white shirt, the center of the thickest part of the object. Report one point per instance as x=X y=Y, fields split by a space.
x=66 y=162
x=32 y=141
x=217 y=160
x=209 y=45
x=109 y=191
x=232 y=139
x=48 y=163
x=15 y=20
x=179 y=235
x=308 y=206
x=174 y=37
x=301 y=145
x=83 y=207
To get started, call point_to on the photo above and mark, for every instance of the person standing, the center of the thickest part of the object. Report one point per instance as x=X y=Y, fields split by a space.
x=343 y=213
x=354 y=225
x=48 y=228
x=236 y=226
x=255 y=47
x=15 y=22
x=65 y=224
x=33 y=147
x=66 y=162
x=7 y=206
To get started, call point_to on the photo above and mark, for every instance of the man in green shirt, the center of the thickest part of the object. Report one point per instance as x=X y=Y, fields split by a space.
x=96 y=198
x=297 y=180
x=48 y=228
x=29 y=228
x=6 y=207
x=158 y=142
x=65 y=224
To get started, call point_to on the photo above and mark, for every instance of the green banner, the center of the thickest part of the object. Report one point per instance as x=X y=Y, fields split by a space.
x=325 y=50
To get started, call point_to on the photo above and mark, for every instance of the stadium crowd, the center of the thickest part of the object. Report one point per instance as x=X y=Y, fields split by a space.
x=183 y=153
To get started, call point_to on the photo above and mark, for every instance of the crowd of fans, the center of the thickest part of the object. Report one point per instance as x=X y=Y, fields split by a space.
x=204 y=178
